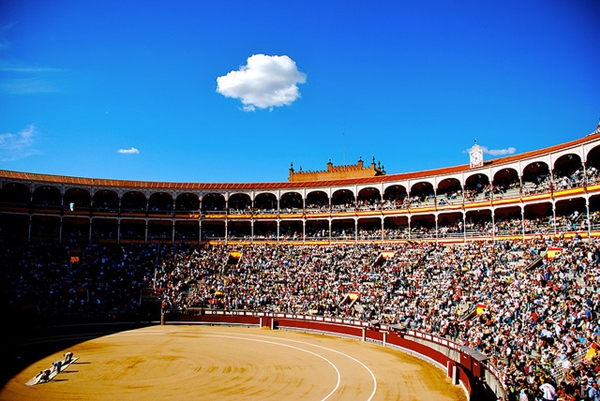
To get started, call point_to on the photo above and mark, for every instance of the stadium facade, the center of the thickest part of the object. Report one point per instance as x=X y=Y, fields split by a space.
x=551 y=191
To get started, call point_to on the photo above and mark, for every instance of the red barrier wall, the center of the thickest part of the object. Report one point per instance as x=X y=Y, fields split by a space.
x=315 y=325
x=223 y=319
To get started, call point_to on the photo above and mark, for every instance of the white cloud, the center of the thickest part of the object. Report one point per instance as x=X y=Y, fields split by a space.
x=499 y=152
x=130 y=151
x=495 y=152
x=264 y=82
x=17 y=146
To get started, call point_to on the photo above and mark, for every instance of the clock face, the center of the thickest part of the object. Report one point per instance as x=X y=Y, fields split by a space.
x=476 y=158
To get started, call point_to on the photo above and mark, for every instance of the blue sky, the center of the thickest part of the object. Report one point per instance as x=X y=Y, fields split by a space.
x=235 y=91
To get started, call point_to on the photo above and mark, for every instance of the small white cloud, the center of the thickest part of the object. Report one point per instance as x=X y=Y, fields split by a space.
x=499 y=152
x=130 y=151
x=17 y=146
x=495 y=152
x=264 y=82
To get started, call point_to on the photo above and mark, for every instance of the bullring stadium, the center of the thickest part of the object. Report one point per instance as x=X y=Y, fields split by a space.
x=488 y=270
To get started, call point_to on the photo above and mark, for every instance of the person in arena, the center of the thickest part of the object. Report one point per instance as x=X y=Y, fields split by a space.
x=56 y=366
x=45 y=375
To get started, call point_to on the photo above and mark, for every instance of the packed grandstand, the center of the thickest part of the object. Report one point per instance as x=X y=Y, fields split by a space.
x=502 y=258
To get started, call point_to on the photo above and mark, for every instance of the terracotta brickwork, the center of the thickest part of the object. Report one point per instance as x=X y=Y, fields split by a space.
x=358 y=170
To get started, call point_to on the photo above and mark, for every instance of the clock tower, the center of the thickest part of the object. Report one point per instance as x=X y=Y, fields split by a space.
x=476 y=156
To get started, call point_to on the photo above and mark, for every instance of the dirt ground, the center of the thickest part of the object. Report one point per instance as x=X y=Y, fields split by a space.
x=233 y=363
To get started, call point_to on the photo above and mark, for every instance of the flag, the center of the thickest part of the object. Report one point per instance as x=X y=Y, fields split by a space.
x=387 y=254
x=591 y=352
x=353 y=295
x=552 y=253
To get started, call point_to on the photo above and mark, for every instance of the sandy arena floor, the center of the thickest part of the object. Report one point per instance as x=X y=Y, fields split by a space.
x=233 y=363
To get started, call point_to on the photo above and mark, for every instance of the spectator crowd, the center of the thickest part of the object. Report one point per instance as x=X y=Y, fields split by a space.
x=530 y=307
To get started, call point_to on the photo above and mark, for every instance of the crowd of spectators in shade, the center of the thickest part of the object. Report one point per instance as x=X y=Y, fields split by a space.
x=538 y=323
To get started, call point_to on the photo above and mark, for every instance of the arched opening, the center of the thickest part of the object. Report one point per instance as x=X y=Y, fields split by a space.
x=240 y=204
x=396 y=228
x=369 y=229
x=571 y=215
x=317 y=202
x=160 y=203
x=317 y=230
x=265 y=203
x=105 y=201
x=450 y=225
x=213 y=204
x=213 y=231
x=536 y=178
x=479 y=223
x=187 y=204
x=133 y=231
x=422 y=194
x=45 y=228
x=508 y=221
x=290 y=230
x=75 y=230
x=133 y=203
x=187 y=231
x=105 y=230
x=568 y=172
x=538 y=218
x=160 y=231
x=449 y=192
x=77 y=200
x=368 y=199
x=265 y=230
x=422 y=226
x=395 y=197
x=239 y=231
x=342 y=200
x=343 y=229
x=15 y=197
x=477 y=187
x=46 y=197
x=506 y=183
x=291 y=203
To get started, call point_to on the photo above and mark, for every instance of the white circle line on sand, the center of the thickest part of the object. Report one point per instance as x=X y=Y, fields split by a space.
x=337 y=385
x=305 y=343
x=334 y=351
